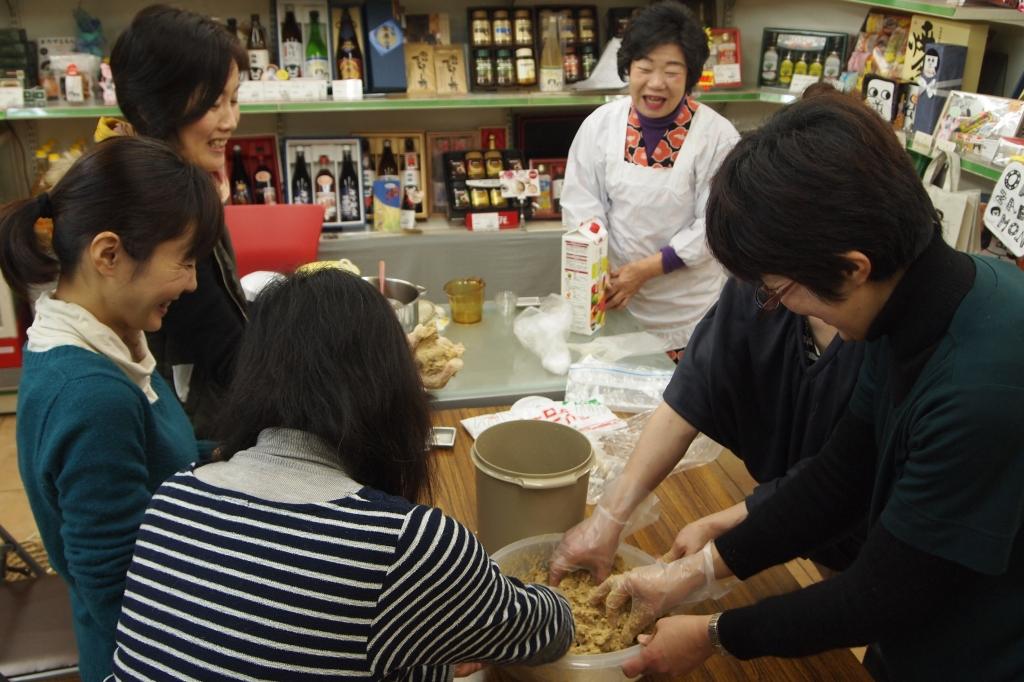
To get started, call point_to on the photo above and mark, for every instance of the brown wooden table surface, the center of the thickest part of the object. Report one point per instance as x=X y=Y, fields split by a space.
x=685 y=497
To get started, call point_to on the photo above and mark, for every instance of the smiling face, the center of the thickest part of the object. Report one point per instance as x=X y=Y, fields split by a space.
x=141 y=293
x=203 y=142
x=931 y=65
x=880 y=95
x=657 y=82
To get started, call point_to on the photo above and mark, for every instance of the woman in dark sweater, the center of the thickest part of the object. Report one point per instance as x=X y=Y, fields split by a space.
x=177 y=76
x=823 y=209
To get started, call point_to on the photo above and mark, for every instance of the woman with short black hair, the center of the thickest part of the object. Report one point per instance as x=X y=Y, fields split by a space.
x=302 y=551
x=177 y=75
x=98 y=428
x=923 y=447
x=642 y=165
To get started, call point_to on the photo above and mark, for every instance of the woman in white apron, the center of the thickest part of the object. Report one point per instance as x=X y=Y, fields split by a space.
x=643 y=164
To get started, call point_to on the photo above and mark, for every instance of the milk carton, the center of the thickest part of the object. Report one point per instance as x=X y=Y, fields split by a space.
x=584 y=273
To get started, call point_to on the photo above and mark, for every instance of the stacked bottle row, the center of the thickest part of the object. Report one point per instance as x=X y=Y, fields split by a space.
x=577 y=32
x=471 y=179
x=324 y=172
x=253 y=173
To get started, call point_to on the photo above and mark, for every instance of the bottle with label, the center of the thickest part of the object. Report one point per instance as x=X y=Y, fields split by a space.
x=571 y=65
x=263 y=189
x=388 y=165
x=484 y=67
x=326 y=191
x=786 y=70
x=492 y=159
x=475 y=165
x=552 y=77
x=350 y=57
x=232 y=26
x=318 y=64
x=502 y=28
x=291 y=44
x=504 y=69
x=481 y=28
x=259 y=55
x=407 y=211
x=411 y=177
x=369 y=175
x=302 y=186
x=567 y=26
x=770 y=66
x=74 y=89
x=587 y=26
x=557 y=180
x=241 y=190
x=526 y=67
x=800 y=69
x=832 y=65
x=544 y=180
x=588 y=60
x=522 y=27
x=815 y=69
x=348 y=188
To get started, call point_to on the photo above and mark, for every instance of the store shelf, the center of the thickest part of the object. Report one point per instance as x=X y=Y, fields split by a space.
x=526 y=100
x=996 y=15
x=972 y=167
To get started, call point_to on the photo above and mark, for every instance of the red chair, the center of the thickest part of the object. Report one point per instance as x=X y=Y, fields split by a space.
x=279 y=238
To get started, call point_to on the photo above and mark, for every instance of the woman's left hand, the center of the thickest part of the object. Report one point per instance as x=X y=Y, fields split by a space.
x=627 y=280
x=679 y=644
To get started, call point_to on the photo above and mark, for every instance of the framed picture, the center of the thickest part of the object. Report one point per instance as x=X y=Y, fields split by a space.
x=438 y=143
x=551 y=174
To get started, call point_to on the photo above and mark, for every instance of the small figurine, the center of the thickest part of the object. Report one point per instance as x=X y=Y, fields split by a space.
x=107 y=84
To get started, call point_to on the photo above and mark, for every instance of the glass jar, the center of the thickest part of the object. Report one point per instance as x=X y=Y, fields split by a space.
x=481 y=29
x=523 y=27
x=567 y=26
x=526 y=67
x=504 y=69
x=586 y=26
x=588 y=60
x=571 y=65
x=484 y=68
x=478 y=197
x=502 y=28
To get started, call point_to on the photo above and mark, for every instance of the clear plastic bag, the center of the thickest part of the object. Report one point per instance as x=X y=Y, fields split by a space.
x=618 y=346
x=544 y=331
x=622 y=387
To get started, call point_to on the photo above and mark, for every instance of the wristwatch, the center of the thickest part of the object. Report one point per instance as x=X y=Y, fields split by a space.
x=716 y=640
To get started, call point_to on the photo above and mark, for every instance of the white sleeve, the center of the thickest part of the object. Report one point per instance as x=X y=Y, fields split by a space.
x=584 y=195
x=690 y=243
x=444 y=602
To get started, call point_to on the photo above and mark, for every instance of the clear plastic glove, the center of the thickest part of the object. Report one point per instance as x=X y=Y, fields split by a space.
x=592 y=543
x=696 y=534
x=653 y=590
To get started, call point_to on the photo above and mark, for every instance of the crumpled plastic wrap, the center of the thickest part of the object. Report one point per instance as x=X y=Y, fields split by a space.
x=544 y=331
x=613 y=448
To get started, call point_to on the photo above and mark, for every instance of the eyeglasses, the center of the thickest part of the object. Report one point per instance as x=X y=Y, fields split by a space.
x=767 y=299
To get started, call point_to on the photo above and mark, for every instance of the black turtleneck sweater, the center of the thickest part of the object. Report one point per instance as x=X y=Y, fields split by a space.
x=939 y=583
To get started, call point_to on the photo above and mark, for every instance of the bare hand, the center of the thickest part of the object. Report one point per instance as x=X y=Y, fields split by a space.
x=690 y=540
x=627 y=280
x=679 y=644
x=467 y=669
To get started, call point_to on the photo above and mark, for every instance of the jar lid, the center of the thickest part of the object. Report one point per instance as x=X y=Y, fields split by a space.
x=480 y=14
x=486 y=54
x=503 y=13
x=504 y=53
x=523 y=13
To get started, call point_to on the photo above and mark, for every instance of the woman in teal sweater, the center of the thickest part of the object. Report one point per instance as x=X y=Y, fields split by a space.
x=98 y=429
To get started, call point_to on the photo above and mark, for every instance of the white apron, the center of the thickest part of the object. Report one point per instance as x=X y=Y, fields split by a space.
x=647 y=209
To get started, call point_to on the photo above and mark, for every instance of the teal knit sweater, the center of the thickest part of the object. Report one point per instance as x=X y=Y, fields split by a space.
x=91 y=451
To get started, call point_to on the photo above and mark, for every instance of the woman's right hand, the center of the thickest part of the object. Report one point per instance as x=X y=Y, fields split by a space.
x=694 y=535
x=590 y=544
x=653 y=590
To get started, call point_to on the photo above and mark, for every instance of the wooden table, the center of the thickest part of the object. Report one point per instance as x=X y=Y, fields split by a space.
x=685 y=497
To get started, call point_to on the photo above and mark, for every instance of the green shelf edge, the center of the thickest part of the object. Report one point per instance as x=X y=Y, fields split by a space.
x=971 y=167
x=408 y=104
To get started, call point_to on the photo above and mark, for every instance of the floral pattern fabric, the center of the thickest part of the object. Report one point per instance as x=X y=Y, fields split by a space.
x=664 y=155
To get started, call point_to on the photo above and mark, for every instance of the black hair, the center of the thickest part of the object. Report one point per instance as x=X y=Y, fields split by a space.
x=824 y=176
x=665 y=23
x=170 y=66
x=138 y=188
x=324 y=353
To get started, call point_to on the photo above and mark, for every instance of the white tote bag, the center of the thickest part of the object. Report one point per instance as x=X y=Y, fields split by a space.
x=959 y=208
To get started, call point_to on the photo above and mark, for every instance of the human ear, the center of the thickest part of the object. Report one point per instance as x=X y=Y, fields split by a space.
x=858 y=267
x=105 y=252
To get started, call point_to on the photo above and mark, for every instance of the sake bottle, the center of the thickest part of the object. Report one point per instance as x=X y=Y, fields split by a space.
x=816 y=68
x=770 y=66
x=801 y=67
x=786 y=70
x=833 y=65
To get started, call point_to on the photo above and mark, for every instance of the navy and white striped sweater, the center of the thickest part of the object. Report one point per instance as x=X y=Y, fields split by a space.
x=224 y=585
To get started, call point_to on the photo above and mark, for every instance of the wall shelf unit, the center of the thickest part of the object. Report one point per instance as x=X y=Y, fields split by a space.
x=995 y=15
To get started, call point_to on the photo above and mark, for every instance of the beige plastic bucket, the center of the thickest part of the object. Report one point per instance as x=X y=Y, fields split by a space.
x=531 y=479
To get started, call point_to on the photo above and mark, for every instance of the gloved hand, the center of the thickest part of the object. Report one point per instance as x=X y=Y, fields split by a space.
x=592 y=543
x=657 y=588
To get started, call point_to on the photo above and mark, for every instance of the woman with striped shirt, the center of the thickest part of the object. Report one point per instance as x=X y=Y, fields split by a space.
x=301 y=554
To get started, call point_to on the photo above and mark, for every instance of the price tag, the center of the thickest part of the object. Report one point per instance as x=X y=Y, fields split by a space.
x=12 y=97
x=727 y=74
x=350 y=88
x=1004 y=216
x=251 y=91
x=484 y=222
x=801 y=82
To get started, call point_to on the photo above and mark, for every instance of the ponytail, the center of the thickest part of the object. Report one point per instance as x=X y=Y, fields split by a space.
x=23 y=259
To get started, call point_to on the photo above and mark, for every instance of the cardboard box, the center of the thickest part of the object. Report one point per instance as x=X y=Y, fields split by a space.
x=414 y=178
x=302 y=10
x=584 y=274
x=924 y=30
x=942 y=72
x=334 y=149
x=450 y=70
x=419 y=64
x=254 y=147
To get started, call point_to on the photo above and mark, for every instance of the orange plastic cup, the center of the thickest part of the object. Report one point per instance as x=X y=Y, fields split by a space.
x=466 y=297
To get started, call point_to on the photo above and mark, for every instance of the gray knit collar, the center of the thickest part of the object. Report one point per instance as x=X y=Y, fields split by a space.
x=292 y=448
